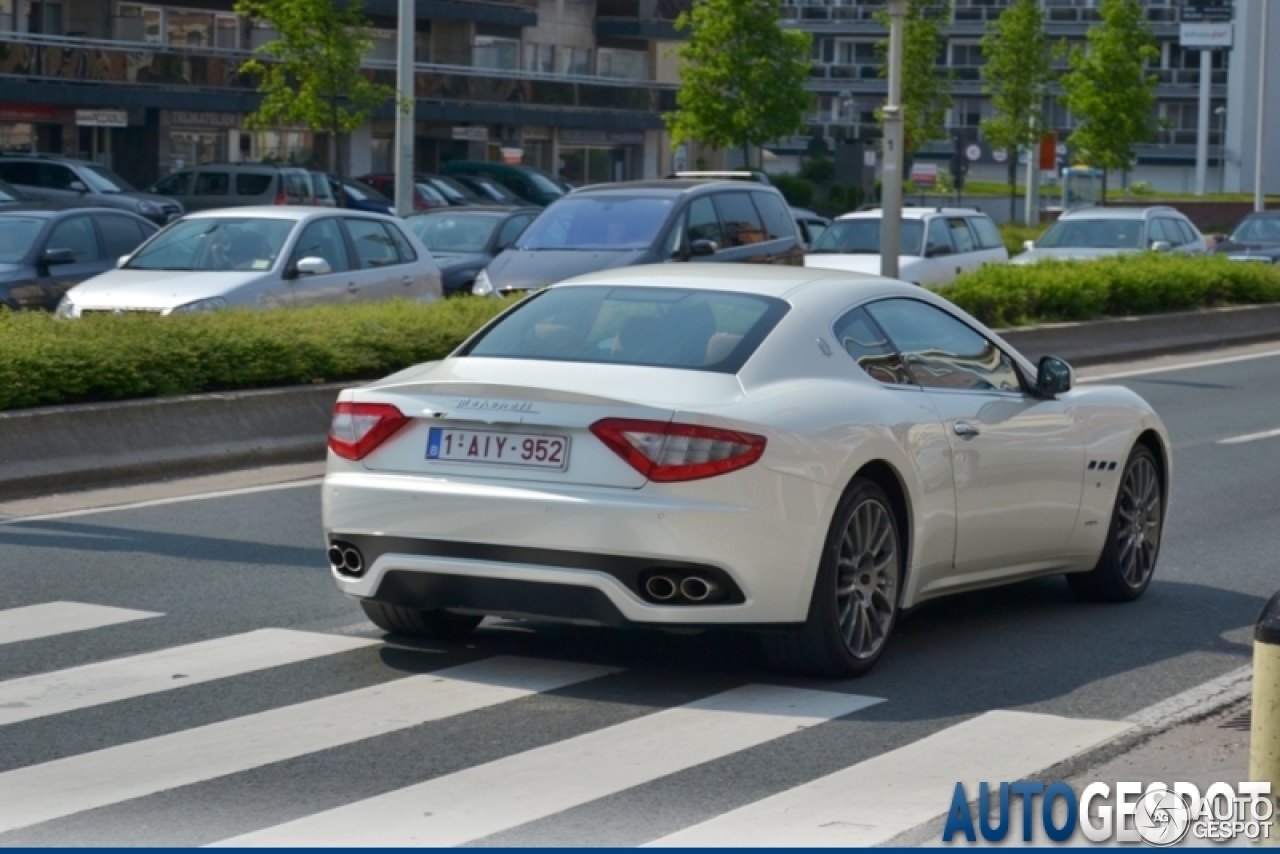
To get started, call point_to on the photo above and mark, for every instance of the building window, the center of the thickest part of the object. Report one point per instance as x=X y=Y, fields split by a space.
x=176 y=27
x=627 y=64
x=573 y=60
x=540 y=57
x=856 y=53
x=494 y=52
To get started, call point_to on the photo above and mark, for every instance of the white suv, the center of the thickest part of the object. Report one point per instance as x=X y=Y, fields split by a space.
x=936 y=245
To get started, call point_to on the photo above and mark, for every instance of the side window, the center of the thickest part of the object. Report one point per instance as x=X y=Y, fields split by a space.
x=297 y=188
x=675 y=241
x=961 y=236
x=778 y=221
x=77 y=235
x=323 y=239
x=177 y=184
x=54 y=177
x=1189 y=234
x=1173 y=229
x=1156 y=231
x=988 y=234
x=941 y=351
x=939 y=238
x=404 y=249
x=252 y=184
x=18 y=173
x=511 y=230
x=863 y=340
x=212 y=184
x=120 y=235
x=374 y=247
x=703 y=222
x=742 y=224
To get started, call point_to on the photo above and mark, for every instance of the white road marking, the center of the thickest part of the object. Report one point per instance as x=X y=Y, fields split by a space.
x=499 y=795
x=161 y=502
x=1183 y=366
x=58 y=618
x=1249 y=437
x=67 y=786
x=874 y=801
x=1194 y=702
x=61 y=691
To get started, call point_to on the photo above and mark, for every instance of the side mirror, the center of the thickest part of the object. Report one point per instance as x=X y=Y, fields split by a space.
x=1053 y=377
x=78 y=186
x=311 y=266
x=54 y=257
x=1161 y=246
x=703 y=247
x=1028 y=245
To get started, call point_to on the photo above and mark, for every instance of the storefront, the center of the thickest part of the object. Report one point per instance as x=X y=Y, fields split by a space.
x=597 y=156
x=33 y=128
x=190 y=138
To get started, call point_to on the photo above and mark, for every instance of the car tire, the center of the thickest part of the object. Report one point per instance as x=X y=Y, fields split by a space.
x=412 y=622
x=856 y=596
x=1128 y=560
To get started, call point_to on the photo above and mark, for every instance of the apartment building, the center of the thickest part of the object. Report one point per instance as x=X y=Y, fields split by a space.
x=574 y=87
x=848 y=85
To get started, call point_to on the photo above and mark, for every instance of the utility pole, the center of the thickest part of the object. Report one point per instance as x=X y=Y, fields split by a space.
x=404 y=107
x=1202 y=123
x=894 y=137
x=1259 y=198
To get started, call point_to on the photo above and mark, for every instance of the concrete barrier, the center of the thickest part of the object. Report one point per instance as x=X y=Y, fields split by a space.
x=67 y=448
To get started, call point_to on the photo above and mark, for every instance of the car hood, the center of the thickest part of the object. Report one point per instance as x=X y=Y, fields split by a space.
x=157 y=290
x=859 y=263
x=1248 y=250
x=1069 y=253
x=524 y=270
x=450 y=261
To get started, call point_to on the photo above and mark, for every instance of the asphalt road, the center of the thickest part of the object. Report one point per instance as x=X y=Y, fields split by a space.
x=221 y=566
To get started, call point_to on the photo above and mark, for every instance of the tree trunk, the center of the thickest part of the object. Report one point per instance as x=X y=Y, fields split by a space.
x=1013 y=189
x=746 y=155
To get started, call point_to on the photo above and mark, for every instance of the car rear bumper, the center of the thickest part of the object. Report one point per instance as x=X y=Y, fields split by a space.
x=582 y=554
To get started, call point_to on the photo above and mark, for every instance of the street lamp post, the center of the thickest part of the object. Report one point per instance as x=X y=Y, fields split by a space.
x=404 y=107
x=1259 y=198
x=891 y=174
x=1221 y=113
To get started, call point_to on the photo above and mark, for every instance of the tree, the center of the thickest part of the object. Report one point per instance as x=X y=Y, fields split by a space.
x=926 y=91
x=742 y=82
x=1109 y=90
x=310 y=74
x=1016 y=75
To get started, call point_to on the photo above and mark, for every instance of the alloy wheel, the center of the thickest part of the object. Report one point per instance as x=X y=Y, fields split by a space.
x=1138 y=516
x=867 y=579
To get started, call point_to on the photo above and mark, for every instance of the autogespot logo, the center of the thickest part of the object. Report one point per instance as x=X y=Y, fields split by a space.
x=1157 y=814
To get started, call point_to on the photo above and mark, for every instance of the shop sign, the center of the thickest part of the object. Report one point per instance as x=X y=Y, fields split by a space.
x=1205 y=36
x=183 y=118
x=102 y=118
x=27 y=113
x=924 y=174
x=480 y=134
x=579 y=136
x=1206 y=12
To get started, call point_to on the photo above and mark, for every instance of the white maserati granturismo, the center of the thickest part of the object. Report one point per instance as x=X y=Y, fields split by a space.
x=804 y=452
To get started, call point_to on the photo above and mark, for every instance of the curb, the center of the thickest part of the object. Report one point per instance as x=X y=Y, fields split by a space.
x=68 y=448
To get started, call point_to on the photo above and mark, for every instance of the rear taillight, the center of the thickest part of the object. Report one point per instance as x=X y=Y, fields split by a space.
x=281 y=199
x=358 y=428
x=668 y=452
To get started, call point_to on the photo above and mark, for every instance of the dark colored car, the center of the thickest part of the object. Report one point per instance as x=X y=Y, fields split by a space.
x=11 y=195
x=44 y=250
x=463 y=240
x=1256 y=238
x=490 y=190
x=425 y=195
x=46 y=177
x=532 y=185
x=647 y=222
x=359 y=196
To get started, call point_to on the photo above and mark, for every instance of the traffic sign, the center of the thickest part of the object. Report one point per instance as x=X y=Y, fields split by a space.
x=999 y=155
x=973 y=152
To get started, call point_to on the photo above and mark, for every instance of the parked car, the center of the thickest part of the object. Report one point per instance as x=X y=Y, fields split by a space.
x=1256 y=238
x=229 y=185
x=801 y=452
x=532 y=185
x=490 y=190
x=53 y=178
x=425 y=195
x=264 y=257
x=643 y=222
x=811 y=225
x=359 y=196
x=11 y=195
x=1101 y=232
x=45 y=250
x=323 y=190
x=724 y=175
x=463 y=241
x=935 y=244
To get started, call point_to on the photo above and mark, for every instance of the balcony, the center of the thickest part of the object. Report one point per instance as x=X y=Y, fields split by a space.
x=506 y=13
x=640 y=19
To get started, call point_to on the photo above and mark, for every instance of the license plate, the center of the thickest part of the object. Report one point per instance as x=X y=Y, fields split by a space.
x=536 y=450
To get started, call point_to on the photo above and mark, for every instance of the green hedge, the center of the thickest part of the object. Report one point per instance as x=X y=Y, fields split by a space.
x=1050 y=291
x=44 y=360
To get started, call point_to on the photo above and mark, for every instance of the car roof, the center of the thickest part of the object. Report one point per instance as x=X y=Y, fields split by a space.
x=913 y=212
x=293 y=212
x=668 y=186
x=762 y=279
x=1118 y=213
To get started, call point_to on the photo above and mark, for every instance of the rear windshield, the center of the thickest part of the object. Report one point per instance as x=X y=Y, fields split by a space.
x=862 y=237
x=598 y=222
x=1093 y=234
x=657 y=327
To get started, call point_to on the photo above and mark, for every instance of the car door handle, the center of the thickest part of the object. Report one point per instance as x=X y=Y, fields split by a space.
x=353 y=286
x=406 y=280
x=964 y=429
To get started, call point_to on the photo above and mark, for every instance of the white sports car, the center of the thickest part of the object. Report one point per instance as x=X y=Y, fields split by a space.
x=804 y=452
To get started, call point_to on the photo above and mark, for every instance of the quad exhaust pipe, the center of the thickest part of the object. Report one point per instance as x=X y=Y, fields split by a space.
x=661 y=588
x=695 y=588
x=346 y=559
x=691 y=588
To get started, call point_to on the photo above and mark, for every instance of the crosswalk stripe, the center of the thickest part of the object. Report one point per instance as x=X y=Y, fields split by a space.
x=67 y=786
x=873 y=801
x=57 y=618
x=61 y=691
x=499 y=795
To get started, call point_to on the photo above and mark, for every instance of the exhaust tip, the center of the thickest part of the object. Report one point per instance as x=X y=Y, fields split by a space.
x=697 y=589
x=660 y=588
x=335 y=556
x=346 y=559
